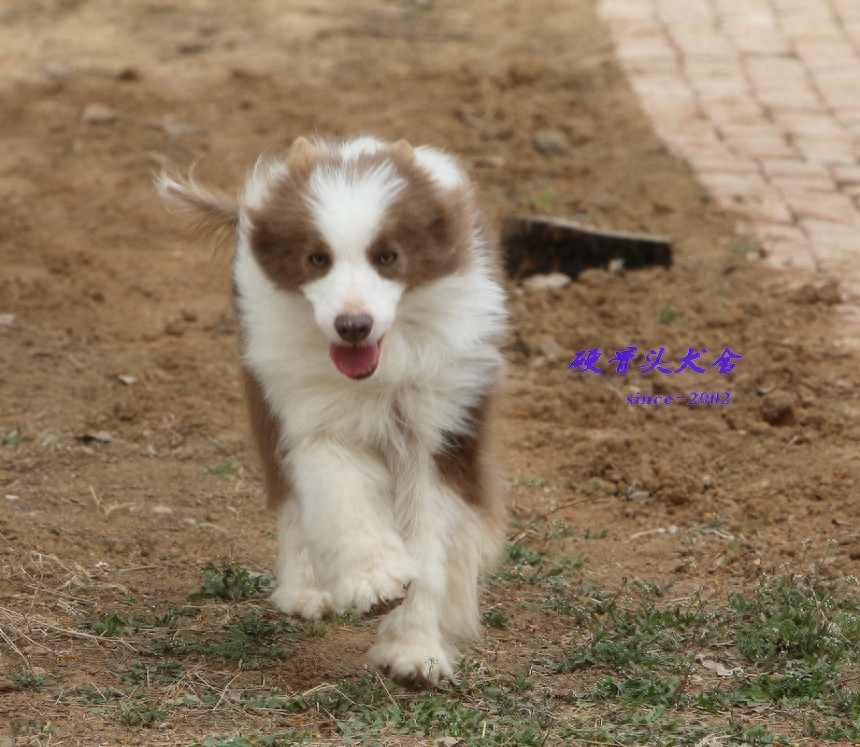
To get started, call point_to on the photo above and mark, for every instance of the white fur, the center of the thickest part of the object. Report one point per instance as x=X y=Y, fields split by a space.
x=369 y=516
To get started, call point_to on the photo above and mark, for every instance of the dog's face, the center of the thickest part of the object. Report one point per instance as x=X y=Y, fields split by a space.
x=352 y=227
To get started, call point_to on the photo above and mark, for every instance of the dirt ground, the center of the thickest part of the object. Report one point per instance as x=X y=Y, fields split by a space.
x=111 y=322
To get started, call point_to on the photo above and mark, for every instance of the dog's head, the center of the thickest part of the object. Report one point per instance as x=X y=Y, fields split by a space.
x=351 y=226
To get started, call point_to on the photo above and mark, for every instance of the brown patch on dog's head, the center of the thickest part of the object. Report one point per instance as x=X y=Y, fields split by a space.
x=426 y=232
x=427 y=229
x=285 y=242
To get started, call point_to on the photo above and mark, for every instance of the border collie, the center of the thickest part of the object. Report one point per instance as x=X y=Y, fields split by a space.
x=371 y=311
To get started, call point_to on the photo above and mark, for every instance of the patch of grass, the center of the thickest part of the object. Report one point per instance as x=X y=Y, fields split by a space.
x=599 y=534
x=519 y=554
x=231 y=583
x=795 y=641
x=15 y=437
x=495 y=619
x=669 y=315
x=744 y=246
x=250 y=641
x=222 y=468
x=29 y=679
x=113 y=625
x=533 y=482
x=317 y=629
x=796 y=617
x=480 y=714
x=545 y=196
x=286 y=739
x=96 y=700
x=154 y=673
x=141 y=713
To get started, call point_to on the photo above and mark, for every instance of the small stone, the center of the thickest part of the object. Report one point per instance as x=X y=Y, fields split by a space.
x=551 y=142
x=550 y=348
x=826 y=293
x=489 y=162
x=162 y=510
x=6 y=320
x=36 y=650
x=7 y=686
x=616 y=266
x=128 y=74
x=127 y=380
x=176 y=328
x=100 y=436
x=552 y=281
x=526 y=71
x=777 y=408
x=99 y=114
x=56 y=71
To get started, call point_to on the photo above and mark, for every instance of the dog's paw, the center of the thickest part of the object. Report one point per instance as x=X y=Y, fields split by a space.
x=416 y=662
x=375 y=583
x=310 y=604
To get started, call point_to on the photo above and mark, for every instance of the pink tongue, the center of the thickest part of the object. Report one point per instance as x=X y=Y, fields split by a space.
x=355 y=361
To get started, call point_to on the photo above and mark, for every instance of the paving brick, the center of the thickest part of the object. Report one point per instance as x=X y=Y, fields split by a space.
x=823 y=55
x=796 y=167
x=757 y=41
x=847 y=10
x=736 y=111
x=832 y=207
x=789 y=254
x=828 y=150
x=642 y=48
x=835 y=234
x=688 y=13
x=757 y=141
x=848 y=115
x=808 y=124
x=762 y=97
x=703 y=42
x=846 y=175
x=625 y=10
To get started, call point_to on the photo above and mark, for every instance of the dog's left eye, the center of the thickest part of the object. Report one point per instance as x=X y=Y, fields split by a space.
x=318 y=259
x=387 y=257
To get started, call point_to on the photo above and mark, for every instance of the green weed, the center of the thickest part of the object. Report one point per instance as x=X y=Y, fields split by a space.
x=222 y=468
x=669 y=315
x=16 y=437
x=141 y=713
x=28 y=679
x=231 y=583
x=251 y=641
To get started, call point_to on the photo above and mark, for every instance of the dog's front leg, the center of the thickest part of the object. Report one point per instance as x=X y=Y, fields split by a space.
x=415 y=645
x=347 y=520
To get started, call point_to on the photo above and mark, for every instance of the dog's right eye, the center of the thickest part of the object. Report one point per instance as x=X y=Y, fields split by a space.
x=318 y=259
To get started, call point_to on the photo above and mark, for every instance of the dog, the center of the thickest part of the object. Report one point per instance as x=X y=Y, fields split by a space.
x=371 y=312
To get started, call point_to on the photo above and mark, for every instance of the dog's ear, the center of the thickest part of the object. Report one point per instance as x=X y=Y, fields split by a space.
x=404 y=151
x=216 y=211
x=303 y=156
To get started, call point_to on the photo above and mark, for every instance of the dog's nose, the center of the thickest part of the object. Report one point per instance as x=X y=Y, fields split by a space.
x=353 y=328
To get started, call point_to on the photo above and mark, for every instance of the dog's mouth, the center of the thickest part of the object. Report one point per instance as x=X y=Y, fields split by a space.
x=355 y=361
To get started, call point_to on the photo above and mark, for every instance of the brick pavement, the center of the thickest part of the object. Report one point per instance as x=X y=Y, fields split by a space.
x=762 y=98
